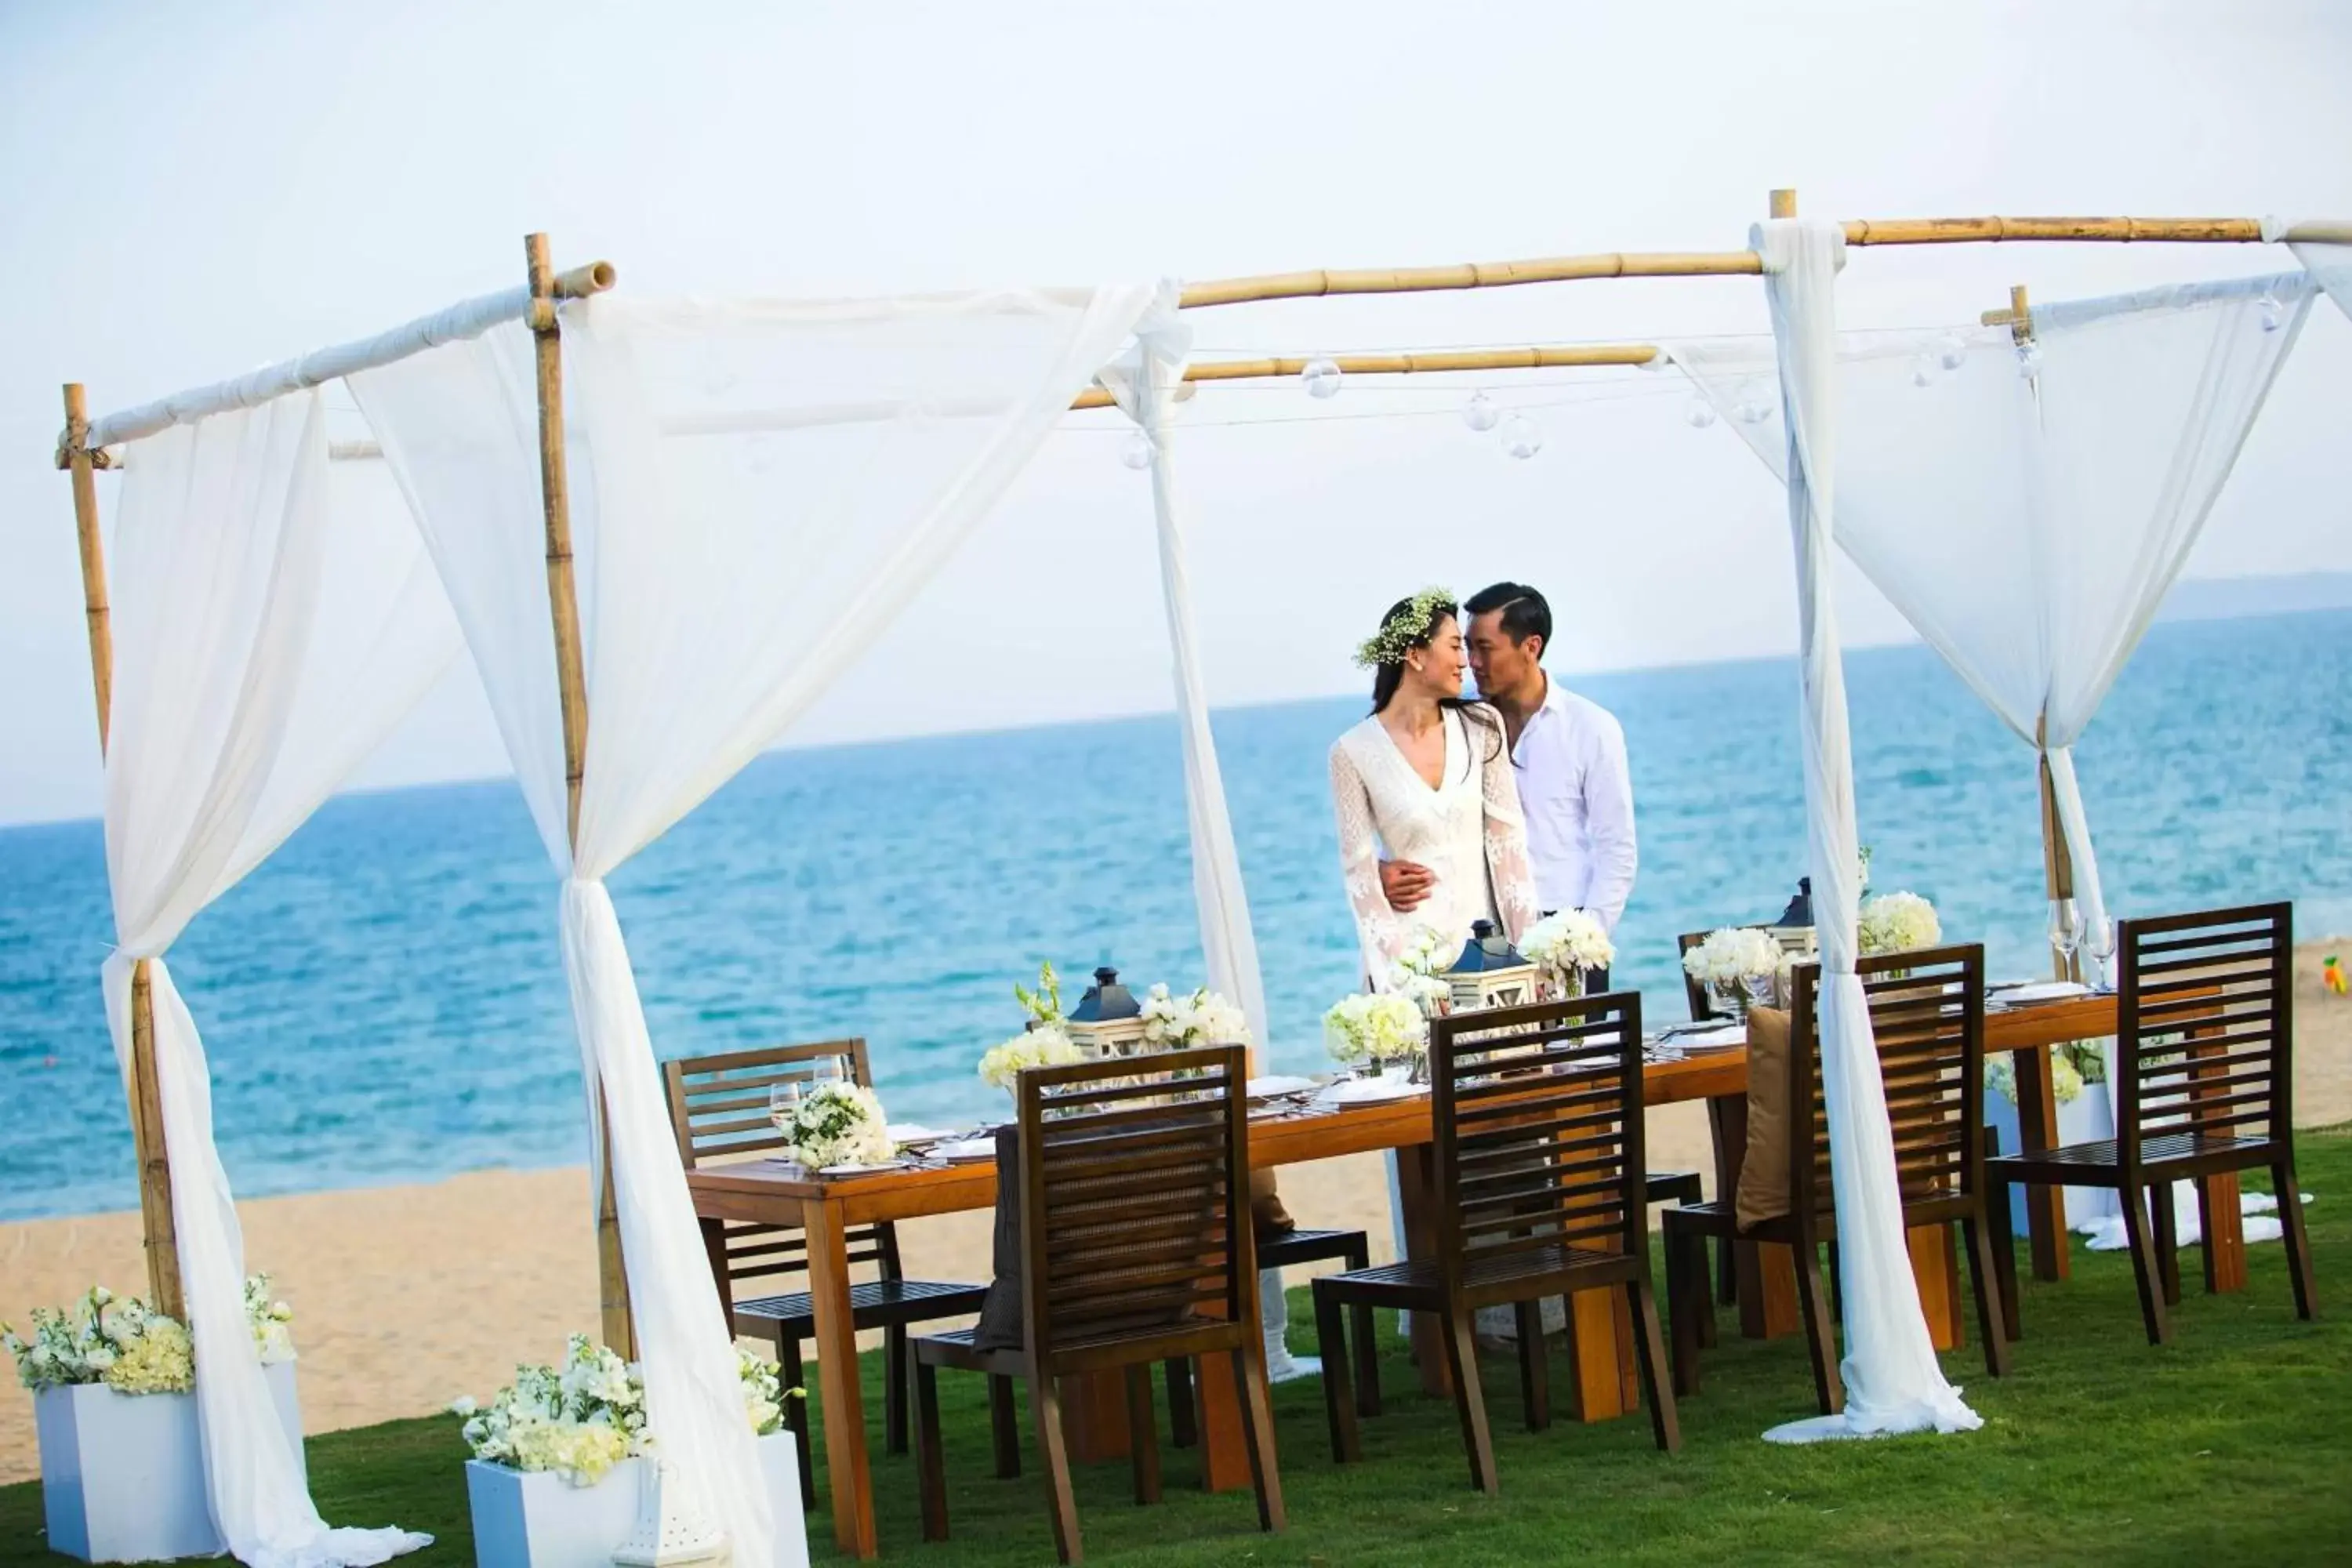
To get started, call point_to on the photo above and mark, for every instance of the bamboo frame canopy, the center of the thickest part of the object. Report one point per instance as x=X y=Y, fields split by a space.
x=474 y=316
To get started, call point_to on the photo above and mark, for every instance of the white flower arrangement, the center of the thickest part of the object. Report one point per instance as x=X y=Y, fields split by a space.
x=1419 y=972
x=1047 y=1045
x=126 y=1344
x=1568 y=940
x=1376 y=1028
x=837 y=1124
x=2072 y=1065
x=1896 y=922
x=1729 y=957
x=581 y=1419
x=1203 y=1019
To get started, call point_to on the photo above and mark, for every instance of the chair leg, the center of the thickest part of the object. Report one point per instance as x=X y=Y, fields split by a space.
x=1684 y=1309
x=1726 y=1272
x=1702 y=1301
x=2298 y=1243
x=930 y=1469
x=894 y=1389
x=1983 y=1275
x=2167 y=1236
x=1045 y=1415
x=1362 y=1326
x=1820 y=1338
x=1258 y=1435
x=1004 y=1427
x=1339 y=1397
x=2004 y=1255
x=1142 y=1434
x=1182 y=1431
x=1534 y=1376
x=796 y=1421
x=1656 y=1387
x=1469 y=1401
x=2151 y=1293
x=1837 y=1286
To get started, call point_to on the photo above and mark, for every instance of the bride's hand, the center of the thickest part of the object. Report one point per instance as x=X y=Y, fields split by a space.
x=1406 y=884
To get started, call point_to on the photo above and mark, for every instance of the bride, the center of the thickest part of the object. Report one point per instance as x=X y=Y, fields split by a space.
x=1427 y=777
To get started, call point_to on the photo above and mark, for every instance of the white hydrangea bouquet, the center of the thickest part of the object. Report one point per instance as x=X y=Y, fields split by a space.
x=585 y=1417
x=1173 y=1023
x=1419 y=972
x=1896 y=922
x=1737 y=964
x=837 y=1124
x=1564 y=945
x=126 y=1345
x=1045 y=1046
x=1374 y=1030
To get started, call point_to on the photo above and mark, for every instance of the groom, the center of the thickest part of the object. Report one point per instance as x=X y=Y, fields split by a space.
x=1569 y=756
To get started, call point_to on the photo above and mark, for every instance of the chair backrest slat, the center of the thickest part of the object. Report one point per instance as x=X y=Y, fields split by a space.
x=718 y=1113
x=1535 y=1116
x=1926 y=1019
x=2205 y=1027
x=1134 y=1202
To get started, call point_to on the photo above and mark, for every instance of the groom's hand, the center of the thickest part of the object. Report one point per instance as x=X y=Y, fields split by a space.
x=1405 y=884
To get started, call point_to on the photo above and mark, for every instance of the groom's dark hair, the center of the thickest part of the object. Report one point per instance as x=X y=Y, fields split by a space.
x=1526 y=613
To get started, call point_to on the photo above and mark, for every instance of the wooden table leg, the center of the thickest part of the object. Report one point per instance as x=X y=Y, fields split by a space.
x=835 y=1341
x=1417 y=1196
x=1594 y=1346
x=1935 y=1263
x=1094 y=1417
x=2037 y=1127
x=2224 y=1229
x=1224 y=1443
x=1765 y=1272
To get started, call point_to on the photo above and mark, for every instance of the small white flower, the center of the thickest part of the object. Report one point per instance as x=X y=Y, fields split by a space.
x=464 y=1405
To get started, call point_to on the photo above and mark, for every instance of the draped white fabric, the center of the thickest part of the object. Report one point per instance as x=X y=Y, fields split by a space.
x=2027 y=508
x=1146 y=381
x=258 y=657
x=1893 y=1383
x=757 y=488
x=2330 y=266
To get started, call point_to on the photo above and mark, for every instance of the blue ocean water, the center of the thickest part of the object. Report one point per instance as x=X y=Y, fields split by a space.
x=383 y=1000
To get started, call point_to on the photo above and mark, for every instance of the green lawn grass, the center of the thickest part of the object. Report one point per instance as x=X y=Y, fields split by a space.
x=2234 y=1445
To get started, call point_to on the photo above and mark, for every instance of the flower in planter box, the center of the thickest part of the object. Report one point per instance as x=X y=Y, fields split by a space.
x=585 y=1417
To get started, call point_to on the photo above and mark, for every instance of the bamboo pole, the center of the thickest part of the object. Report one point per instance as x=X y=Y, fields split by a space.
x=1406 y=365
x=1685 y=264
x=572 y=692
x=1783 y=202
x=159 y=1233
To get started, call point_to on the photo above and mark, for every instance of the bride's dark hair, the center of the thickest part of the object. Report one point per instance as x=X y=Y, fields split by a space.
x=1389 y=675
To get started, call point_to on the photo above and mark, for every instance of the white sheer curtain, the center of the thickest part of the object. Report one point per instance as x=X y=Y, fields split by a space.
x=2330 y=266
x=757 y=488
x=1146 y=380
x=1893 y=1383
x=264 y=641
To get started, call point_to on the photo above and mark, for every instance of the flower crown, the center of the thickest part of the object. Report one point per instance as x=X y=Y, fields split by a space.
x=1406 y=628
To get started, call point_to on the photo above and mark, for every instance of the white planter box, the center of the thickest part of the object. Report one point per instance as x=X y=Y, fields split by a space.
x=123 y=1475
x=2085 y=1118
x=538 y=1520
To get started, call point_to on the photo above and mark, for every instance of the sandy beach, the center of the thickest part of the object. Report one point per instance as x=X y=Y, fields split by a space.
x=407 y=1296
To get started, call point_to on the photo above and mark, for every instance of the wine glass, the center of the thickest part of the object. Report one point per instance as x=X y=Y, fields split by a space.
x=826 y=1070
x=783 y=1102
x=2064 y=931
x=2099 y=942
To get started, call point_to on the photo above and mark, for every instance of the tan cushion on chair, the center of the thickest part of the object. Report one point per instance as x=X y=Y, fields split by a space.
x=1268 y=1218
x=1764 y=1171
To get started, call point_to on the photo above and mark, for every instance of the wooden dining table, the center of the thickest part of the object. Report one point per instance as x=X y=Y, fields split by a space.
x=777 y=1192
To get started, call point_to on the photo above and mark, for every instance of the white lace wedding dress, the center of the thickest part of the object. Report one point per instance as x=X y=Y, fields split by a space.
x=1468 y=831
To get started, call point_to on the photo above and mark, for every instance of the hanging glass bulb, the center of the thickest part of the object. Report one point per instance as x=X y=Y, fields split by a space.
x=1698 y=413
x=1137 y=452
x=1321 y=376
x=1753 y=410
x=2274 y=314
x=1482 y=413
x=1953 y=352
x=1522 y=436
x=2028 y=358
x=1923 y=370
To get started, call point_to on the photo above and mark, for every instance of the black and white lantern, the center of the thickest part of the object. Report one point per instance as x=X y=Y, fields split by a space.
x=1108 y=1020
x=1489 y=972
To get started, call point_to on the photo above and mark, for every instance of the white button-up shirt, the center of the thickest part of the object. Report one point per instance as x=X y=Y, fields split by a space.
x=1579 y=799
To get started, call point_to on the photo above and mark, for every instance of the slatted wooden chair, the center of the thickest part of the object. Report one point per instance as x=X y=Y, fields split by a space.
x=718 y=1110
x=1135 y=1248
x=1536 y=1121
x=2205 y=1058
x=1927 y=1016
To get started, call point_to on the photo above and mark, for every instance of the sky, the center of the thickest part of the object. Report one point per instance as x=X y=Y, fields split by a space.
x=187 y=192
